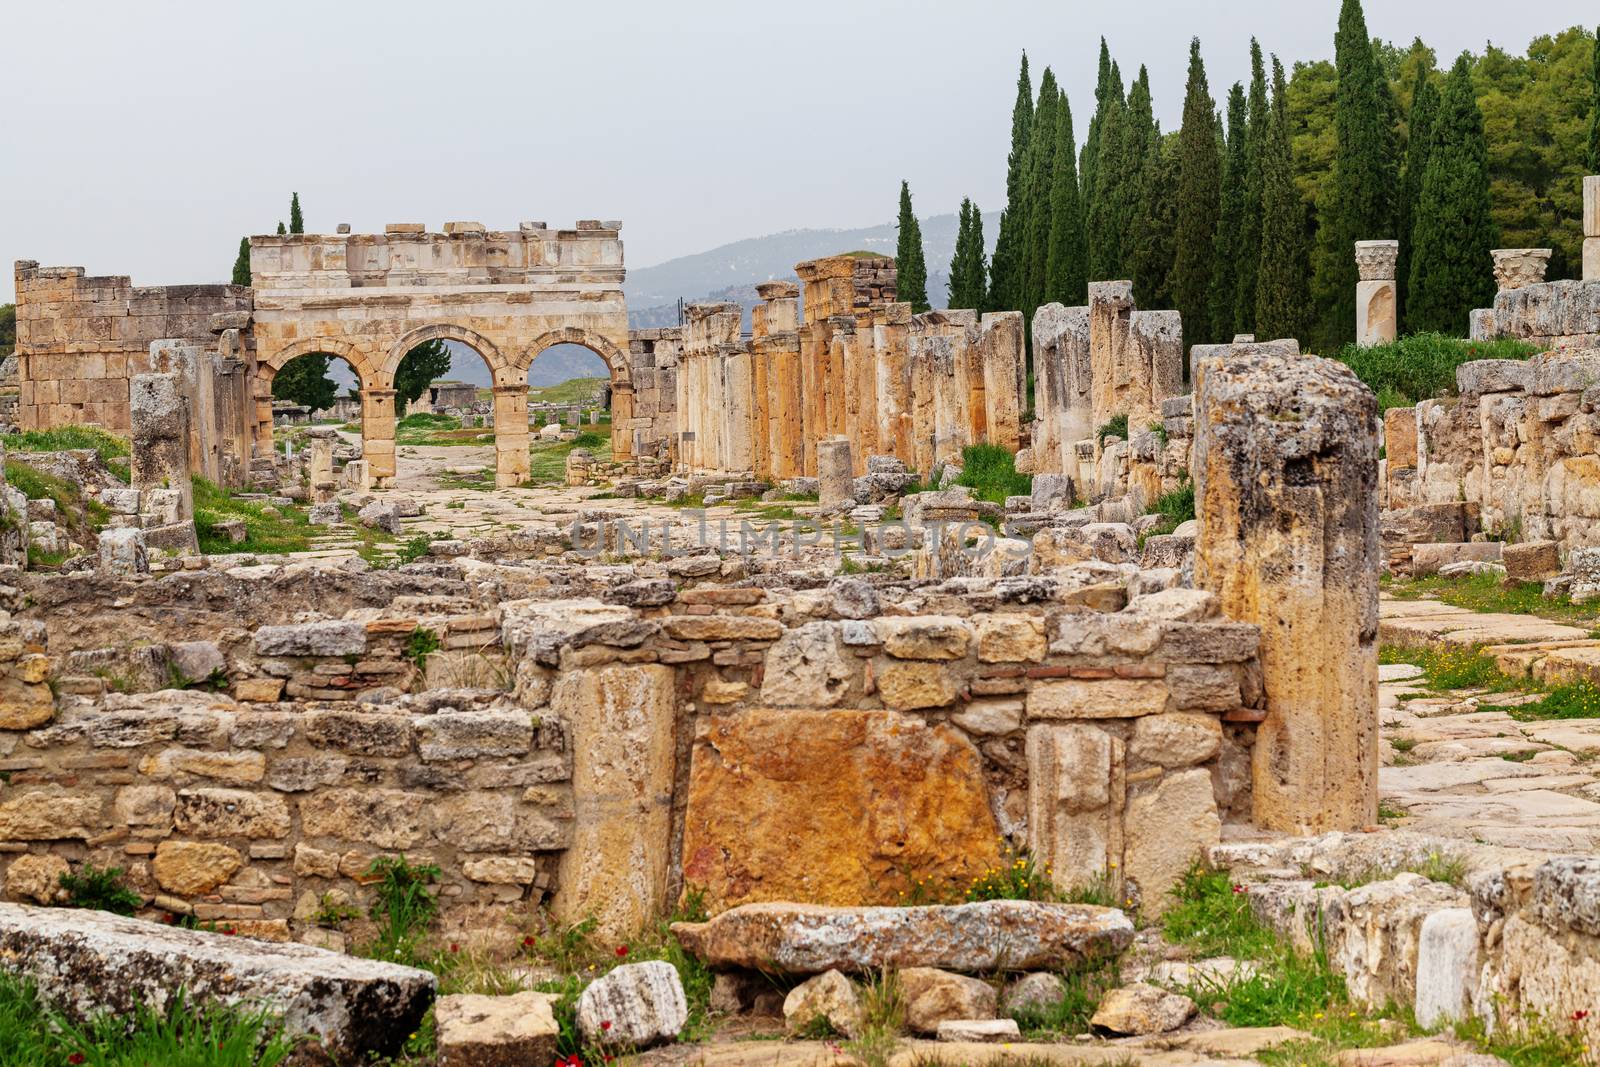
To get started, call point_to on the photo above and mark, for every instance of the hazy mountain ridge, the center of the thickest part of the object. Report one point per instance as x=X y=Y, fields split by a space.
x=730 y=272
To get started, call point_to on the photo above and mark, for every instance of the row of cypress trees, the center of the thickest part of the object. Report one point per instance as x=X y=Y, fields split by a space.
x=1209 y=219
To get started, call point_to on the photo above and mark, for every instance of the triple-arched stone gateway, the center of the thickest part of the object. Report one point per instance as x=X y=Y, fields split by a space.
x=370 y=298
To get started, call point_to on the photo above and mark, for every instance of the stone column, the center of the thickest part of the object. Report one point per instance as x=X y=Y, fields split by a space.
x=1004 y=378
x=511 y=435
x=621 y=420
x=1591 y=228
x=1518 y=267
x=622 y=722
x=890 y=339
x=319 y=464
x=1110 y=316
x=1285 y=466
x=158 y=420
x=1376 y=314
x=738 y=451
x=261 y=430
x=835 y=479
x=377 y=433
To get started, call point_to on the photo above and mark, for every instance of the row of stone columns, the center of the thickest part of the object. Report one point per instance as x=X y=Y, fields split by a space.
x=864 y=369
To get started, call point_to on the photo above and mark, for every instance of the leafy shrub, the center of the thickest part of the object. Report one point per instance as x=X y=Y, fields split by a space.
x=1116 y=426
x=100 y=889
x=1422 y=365
x=404 y=907
x=991 y=473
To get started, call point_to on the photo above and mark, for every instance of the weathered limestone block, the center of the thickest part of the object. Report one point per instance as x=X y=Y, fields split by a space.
x=833 y=807
x=1166 y=830
x=191 y=867
x=1429 y=559
x=319 y=466
x=1286 y=467
x=1077 y=787
x=932 y=996
x=88 y=962
x=1141 y=1009
x=622 y=723
x=1400 y=437
x=1376 y=304
x=484 y=1031
x=636 y=1005
x=1531 y=561
x=158 y=412
x=970 y=938
x=36 y=878
x=829 y=996
x=1447 y=967
x=807 y=668
x=834 y=473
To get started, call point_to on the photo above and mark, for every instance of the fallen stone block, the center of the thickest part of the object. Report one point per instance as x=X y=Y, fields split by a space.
x=1427 y=559
x=484 y=1031
x=829 y=996
x=981 y=1030
x=88 y=962
x=123 y=551
x=983 y=936
x=1532 y=561
x=637 y=1005
x=1141 y=1009
x=933 y=997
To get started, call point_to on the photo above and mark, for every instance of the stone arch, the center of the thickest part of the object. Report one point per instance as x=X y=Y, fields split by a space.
x=615 y=359
x=502 y=371
x=351 y=353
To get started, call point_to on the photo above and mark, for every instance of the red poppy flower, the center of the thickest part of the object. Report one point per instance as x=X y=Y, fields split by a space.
x=527 y=942
x=454 y=947
x=605 y=1024
x=622 y=950
x=76 y=1057
x=1580 y=1015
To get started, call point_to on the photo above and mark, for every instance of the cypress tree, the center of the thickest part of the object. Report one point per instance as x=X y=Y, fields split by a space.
x=241 y=264
x=281 y=229
x=1103 y=205
x=1013 y=220
x=1260 y=114
x=1451 y=270
x=1358 y=202
x=967 y=266
x=1230 y=223
x=1041 y=173
x=1199 y=195
x=1594 y=110
x=1158 y=204
x=1424 y=109
x=912 y=280
x=1146 y=252
x=1282 y=290
x=297 y=221
x=1088 y=168
x=1065 y=278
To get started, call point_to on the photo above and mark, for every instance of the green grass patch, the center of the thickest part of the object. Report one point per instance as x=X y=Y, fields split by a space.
x=425 y=429
x=80 y=515
x=1175 y=508
x=1467 y=667
x=184 y=1035
x=1533 y=1044
x=1116 y=426
x=1081 y=991
x=991 y=473
x=1486 y=592
x=547 y=460
x=269 y=529
x=577 y=392
x=1422 y=365
x=113 y=450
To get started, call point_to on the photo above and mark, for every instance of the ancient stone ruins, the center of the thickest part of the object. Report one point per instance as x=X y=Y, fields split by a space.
x=819 y=718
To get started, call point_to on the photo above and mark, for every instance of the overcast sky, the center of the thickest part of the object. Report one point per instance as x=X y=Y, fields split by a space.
x=146 y=138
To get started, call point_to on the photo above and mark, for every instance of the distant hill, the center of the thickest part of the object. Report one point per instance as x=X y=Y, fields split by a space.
x=731 y=271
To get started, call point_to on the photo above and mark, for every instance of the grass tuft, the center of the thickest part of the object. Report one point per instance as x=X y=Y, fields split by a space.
x=1422 y=365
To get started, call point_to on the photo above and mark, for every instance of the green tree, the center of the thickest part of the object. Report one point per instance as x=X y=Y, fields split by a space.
x=297 y=221
x=967 y=266
x=1249 y=244
x=1146 y=257
x=1104 y=195
x=1282 y=283
x=1594 y=110
x=1004 y=269
x=417 y=370
x=1066 y=280
x=1419 y=138
x=1199 y=196
x=281 y=229
x=1359 y=205
x=8 y=329
x=1088 y=164
x=1451 y=270
x=304 y=380
x=1155 y=236
x=241 y=264
x=912 y=282
x=1041 y=172
x=1230 y=222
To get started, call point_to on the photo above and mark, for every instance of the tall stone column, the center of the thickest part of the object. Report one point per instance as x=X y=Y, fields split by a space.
x=261 y=428
x=377 y=433
x=1376 y=309
x=511 y=435
x=1591 y=228
x=890 y=339
x=319 y=464
x=1286 y=466
x=1110 y=316
x=1004 y=378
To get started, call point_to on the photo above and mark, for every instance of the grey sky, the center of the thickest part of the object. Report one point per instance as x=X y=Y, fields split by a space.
x=145 y=139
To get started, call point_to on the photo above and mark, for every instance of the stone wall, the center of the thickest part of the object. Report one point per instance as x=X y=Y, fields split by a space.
x=856 y=366
x=80 y=339
x=722 y=738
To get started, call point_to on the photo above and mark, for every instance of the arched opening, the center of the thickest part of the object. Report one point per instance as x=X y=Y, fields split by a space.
x=569 y=408
x=620 y=403
x=316 y=387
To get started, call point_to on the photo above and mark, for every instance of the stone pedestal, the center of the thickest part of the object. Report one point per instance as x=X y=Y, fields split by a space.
x=158 y=414
x=835 y=478
x=1518 y=267
x=377 y=433
x=1286 y=466
x=1591 y=228
x=1376 y=311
